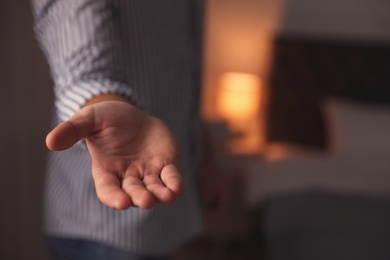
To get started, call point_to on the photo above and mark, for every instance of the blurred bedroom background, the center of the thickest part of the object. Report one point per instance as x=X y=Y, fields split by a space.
x=297 y=101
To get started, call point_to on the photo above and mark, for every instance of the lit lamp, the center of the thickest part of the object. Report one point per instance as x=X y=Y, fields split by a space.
x=238 y=103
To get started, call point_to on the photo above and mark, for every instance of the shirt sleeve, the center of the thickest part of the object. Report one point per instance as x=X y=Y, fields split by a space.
x=82 y=42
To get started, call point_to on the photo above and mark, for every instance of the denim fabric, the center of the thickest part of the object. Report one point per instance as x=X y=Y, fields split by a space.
x=80 y=249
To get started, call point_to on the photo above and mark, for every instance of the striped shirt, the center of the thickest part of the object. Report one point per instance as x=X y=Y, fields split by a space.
x=148 y=51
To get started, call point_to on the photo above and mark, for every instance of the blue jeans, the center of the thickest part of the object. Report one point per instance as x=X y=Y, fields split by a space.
x=80 y=249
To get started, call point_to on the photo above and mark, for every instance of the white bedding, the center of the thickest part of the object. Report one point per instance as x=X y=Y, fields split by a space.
x=358 y=161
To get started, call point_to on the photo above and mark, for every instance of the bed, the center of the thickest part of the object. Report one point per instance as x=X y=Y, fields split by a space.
x=322 y=185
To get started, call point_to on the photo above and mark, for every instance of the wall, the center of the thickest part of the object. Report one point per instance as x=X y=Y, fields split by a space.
x=238 y=38
x=345 y=19
x=25 y=115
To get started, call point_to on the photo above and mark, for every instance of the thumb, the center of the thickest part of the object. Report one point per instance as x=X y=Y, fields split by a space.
x=66 y=134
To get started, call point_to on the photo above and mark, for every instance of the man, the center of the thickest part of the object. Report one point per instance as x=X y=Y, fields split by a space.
x=127 y=76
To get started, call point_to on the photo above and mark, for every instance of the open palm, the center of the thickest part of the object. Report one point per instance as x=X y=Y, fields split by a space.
x=134 y=156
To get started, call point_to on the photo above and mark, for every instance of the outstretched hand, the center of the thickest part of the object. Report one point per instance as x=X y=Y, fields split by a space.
x=134 y=156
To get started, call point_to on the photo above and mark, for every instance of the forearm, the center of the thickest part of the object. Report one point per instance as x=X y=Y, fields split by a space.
x=84 y=49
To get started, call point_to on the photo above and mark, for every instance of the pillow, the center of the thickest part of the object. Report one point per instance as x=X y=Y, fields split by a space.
x=277 y=151
x=356 y=127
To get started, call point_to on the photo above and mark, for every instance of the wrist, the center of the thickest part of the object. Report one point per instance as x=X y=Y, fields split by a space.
x=105 y=97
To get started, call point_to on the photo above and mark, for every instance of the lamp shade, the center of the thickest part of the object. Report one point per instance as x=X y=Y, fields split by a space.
x=239 y=96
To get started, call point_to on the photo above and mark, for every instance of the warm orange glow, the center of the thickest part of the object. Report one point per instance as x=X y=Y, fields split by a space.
x=275 y=152
x=239 y=104
x=239 y=96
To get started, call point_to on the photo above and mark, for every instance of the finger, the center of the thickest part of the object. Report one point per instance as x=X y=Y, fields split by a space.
x=70 y=132
x=139 y=195
x=172 y=179
x=156 y=187
x=109 y=191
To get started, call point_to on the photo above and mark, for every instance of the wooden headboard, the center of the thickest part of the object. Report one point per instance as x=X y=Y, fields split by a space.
x=306 y=70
